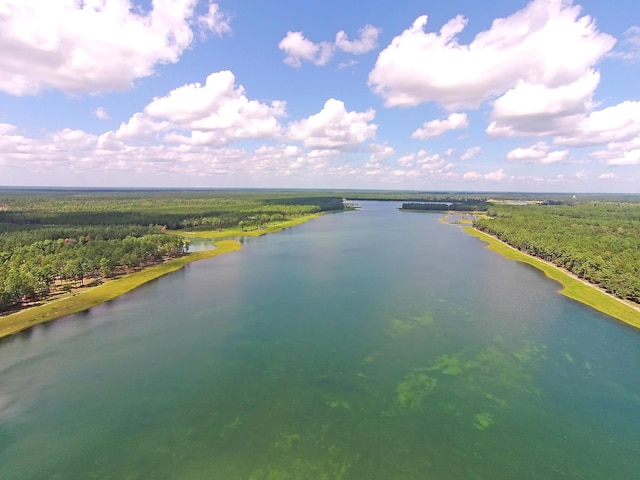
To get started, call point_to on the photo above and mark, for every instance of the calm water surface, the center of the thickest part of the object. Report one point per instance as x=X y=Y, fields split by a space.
x=364 y=345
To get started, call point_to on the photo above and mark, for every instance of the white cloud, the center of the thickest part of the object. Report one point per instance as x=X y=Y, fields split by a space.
x=470 y=153
x=616 y=123
x=379 y=153
x=472 y=175
x=7 y=128
x=620 y=153
x=455 y=121
x=496 y=176
x=215 y=21
x=333 y=127
x=217 y=112
x=347 y=64
x=539 y=153
x=88 y=47
x=546 y=43
x=298 y=48
x=607 y=176
x=101 y=113
x=406 y=160
x=539 y=110
x=630 y=48
x=368 y=41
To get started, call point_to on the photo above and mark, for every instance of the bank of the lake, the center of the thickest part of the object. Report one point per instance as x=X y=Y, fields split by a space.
x=92 y=296
x=235 y=232
x=320 y=352
x=572 y=286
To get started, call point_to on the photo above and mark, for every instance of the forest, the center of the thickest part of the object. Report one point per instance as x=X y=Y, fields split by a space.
x=56 y=240
x=464 y=205
x=598 y=241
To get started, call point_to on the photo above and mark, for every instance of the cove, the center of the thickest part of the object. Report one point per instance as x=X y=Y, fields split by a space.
x=374 y=344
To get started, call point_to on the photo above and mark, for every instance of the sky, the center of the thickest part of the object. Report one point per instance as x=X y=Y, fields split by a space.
x=540 y=96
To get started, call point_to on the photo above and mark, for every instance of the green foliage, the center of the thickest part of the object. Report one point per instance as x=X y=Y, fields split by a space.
x=51 y=237
x=108 y=291
x=457 y=206
x=597 y=241
x=572 y=287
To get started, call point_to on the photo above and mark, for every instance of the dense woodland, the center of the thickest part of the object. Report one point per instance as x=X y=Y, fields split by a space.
x=55 y=240
x=448 y=206
x=597 y=241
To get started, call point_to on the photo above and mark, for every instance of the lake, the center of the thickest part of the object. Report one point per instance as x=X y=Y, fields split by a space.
x=374 y=344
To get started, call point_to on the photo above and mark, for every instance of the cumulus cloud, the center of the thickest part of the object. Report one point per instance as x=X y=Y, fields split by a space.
x=334 y=128
x=423 y=163
x=470 y=153
x=379 y=153
x=455 y=121
x=607 y=176
x=101 y=113
x=539 y=153
x=214 y=21
x=368 y=41
x=69 y=152
x=298 y=48
x=612 y=124
x=217 y=112
x=65 y=149
x=620 y=153
x=546 y=43
x=90 y=47
x=539 y=110
x=496 y=176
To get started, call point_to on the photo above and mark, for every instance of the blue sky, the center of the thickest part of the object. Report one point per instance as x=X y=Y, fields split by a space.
x=424 y=95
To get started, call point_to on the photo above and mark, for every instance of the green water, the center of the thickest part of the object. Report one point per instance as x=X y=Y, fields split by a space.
x=364 y=345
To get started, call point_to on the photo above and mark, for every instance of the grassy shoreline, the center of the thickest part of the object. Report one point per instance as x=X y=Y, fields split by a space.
x=50 y=310
x=572 y=286
x=92 y=296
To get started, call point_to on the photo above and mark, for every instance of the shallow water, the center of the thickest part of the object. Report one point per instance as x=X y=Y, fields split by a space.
x=372 y=344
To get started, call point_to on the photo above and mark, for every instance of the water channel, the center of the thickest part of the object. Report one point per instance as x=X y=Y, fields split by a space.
x=373 y=344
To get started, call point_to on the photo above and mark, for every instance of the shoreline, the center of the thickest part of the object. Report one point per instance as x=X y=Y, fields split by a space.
x=573 y=287
x=111 y=289
x=230 y=232
x=53 y=309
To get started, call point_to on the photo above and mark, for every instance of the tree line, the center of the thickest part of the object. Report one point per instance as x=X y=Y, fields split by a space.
x=458 y=206
x=597 y=241
x=60 y=239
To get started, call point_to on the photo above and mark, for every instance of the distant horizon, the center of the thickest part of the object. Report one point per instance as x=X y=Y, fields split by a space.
x=308 y=189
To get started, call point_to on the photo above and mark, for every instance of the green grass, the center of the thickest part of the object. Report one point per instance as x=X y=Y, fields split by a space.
x=235 y=232
x=571 y=286
x=111 y=289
